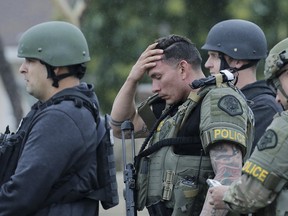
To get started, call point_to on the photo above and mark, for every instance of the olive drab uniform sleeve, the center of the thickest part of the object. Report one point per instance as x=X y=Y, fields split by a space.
x=264 y=174
x=225 y=116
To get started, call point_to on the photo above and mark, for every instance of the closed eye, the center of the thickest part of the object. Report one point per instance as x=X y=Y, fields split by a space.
x=156 y=76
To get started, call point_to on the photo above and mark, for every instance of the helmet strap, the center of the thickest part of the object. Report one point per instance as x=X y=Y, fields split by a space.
x=56 y=79
x=277 y=85
x=223 y=63
x=51 y=74
x=224 y=66
x=250 y=64
x=283 y=92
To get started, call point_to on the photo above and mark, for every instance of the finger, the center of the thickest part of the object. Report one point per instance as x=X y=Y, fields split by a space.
x=153 y=58
x=150 y=56
x=153 y=53
x=150 y=50
x=151 y=46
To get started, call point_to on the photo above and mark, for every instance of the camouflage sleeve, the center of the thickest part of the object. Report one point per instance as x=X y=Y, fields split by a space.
x=224 y=118
x=266 y=171
x=248 y=195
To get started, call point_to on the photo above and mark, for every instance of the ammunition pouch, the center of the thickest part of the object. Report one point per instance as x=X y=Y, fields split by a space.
x=185 y=193
x=142 y=183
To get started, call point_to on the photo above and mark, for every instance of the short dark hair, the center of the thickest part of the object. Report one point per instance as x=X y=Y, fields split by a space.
x=78 y=70
x=177 y=48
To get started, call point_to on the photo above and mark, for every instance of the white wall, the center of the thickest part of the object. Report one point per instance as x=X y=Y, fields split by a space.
x=6 y=112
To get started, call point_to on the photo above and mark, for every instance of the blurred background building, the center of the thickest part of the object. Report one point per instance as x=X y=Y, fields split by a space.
x=16 y=16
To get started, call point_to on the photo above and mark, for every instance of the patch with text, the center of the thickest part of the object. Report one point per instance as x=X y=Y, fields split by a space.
x=255 y=170
x=228 y=134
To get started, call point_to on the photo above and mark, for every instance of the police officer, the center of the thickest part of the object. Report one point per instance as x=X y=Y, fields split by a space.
x=239 y=45
x=55 y=169
x=199 y=133
x=263 y=186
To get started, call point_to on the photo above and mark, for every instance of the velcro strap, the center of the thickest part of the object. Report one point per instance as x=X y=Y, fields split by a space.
x=274 y=182
x=194 y=96
x=219 y=79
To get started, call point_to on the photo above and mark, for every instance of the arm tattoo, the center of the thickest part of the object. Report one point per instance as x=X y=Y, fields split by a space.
x=226 y=161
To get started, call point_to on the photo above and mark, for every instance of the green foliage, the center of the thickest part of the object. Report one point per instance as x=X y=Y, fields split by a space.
x=119 y=30
x=269 y=15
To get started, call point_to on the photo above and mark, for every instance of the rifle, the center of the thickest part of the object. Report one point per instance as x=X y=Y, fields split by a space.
x=127 y=128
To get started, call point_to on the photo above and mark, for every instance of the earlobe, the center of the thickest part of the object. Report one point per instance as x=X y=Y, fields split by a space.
x=56 y=70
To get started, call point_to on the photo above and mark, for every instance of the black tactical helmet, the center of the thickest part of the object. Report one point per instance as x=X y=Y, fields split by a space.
x=56 y=43
x=239 y=39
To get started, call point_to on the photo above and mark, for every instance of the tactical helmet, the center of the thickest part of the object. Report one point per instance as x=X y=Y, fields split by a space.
x=56 y=43
x=239 y=39
x=277 y=58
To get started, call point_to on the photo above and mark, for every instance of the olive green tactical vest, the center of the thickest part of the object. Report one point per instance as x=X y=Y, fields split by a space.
x=173 y=178
x=180 y=180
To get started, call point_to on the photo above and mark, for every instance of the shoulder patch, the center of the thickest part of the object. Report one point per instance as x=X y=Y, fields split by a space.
x=268 y=140
x=231 y=105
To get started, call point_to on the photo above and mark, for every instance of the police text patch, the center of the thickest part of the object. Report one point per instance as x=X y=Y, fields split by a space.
x=255 y=170
x=267 y=141
x=228 y=134
x=231 y=105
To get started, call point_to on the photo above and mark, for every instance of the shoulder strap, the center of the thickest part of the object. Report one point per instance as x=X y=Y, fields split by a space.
x=92 y=107
x=193 y=98
x=72 y=94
